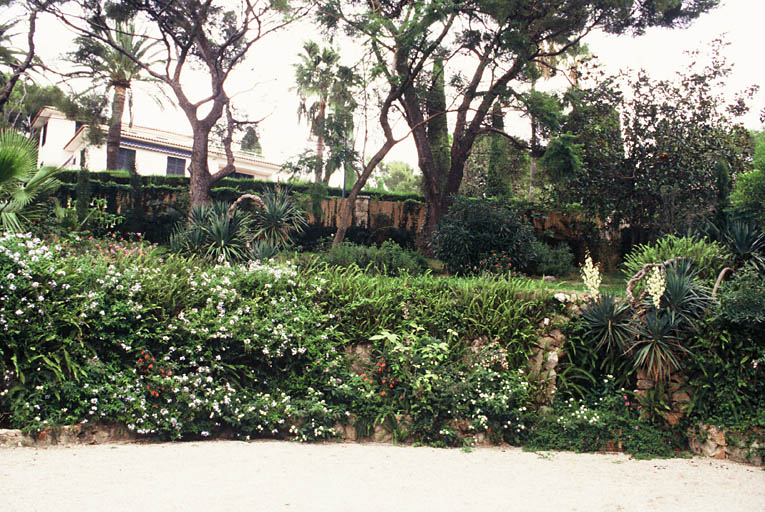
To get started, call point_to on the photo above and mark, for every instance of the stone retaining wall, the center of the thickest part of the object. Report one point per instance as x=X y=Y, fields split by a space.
x=73 y=434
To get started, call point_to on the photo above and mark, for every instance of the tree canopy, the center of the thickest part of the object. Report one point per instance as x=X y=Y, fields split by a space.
x=657 y=161
x=201 y=34
x=495 y=41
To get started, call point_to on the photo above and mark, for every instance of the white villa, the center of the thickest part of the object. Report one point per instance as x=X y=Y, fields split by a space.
x=145 y=150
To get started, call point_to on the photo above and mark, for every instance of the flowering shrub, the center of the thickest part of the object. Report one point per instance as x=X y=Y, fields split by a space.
x=176 y=348
x=119 y=331
x=156 y=342
x=607 y=419
x=497 y=263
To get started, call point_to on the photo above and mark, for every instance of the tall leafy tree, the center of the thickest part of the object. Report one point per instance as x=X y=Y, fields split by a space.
x=655 y=162
x=315 y=76
x=26 y=100
x=398 y=177
x=16 y=62
x=117 y=66
x=325 y=88
x=502 y=37
x=212 y=37
x=251 y=141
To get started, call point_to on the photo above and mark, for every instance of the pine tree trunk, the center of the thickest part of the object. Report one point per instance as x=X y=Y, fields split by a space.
x=201 y=181
x=115 y=127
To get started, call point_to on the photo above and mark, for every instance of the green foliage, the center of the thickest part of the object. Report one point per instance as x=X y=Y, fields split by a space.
x=389 y=259
x=278 y=218
x=25 y=101
x=677 y=135
x=253 y=348
x=22 y=184
x=218 y=234
x=709 y=257
x=607 y=323
x=758 y=158
x=120 y=332
x=332 y=87
x=654 y=337
x=213 y=234
x=397 y=177
x=726 y=368
x=748 y=195
x=607 y=419
x=549 y=260
x=742 y=299
x=475 y=228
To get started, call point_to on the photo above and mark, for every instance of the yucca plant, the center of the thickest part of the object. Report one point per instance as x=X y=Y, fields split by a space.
x=278 y=218
x=22 y=184
x=215 y=233
x=263 y=251
x=607 y=323
x=656 y=347
x=746 y=241
x=742 y=237
x=685 y=296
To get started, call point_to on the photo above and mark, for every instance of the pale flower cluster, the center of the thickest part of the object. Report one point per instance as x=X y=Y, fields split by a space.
x=656 y=285
x=591 y=276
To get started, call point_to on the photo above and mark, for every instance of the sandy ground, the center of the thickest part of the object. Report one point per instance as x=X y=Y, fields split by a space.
x=273 y=475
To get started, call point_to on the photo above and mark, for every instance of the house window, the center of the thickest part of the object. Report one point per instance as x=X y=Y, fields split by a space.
x=176 y=166
x=126 y=159
x=241 y=175
x=44 y=134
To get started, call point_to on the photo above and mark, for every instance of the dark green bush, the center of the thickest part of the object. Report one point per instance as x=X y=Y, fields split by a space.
x=473 y=229
x=727 y=367
x=748 y=196
x=389 y=259
x=606 y=419
x=742 y=299
x=552 y=260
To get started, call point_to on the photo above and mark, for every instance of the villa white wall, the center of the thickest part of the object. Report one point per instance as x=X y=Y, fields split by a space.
x=59 y=132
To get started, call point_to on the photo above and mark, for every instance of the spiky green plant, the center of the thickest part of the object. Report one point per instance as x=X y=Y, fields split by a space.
x=22 y=184
x=684 y=295
x=215 y=234
x=278 y=218
x=657 y=348
x=607 y=323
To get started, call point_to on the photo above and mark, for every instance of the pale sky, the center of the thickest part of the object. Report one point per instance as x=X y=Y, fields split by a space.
x=263 y=84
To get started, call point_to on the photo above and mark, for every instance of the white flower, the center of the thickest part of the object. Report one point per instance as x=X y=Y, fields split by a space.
x=591 y=276
x=656 y=285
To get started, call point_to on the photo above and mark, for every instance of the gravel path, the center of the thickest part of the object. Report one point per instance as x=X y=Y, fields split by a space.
x=275 y=476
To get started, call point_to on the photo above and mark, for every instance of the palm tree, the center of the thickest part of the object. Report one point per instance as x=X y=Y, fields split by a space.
x=21 y=183
x=112 y=67
x=315 y=76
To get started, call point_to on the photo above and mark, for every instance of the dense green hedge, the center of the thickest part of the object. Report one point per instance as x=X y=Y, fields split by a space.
x=109 y=181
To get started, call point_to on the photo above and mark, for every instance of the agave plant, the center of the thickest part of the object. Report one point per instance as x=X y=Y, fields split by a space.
x=278 y=218
x=21 y=183
x=742 y=237
x=262 y=250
